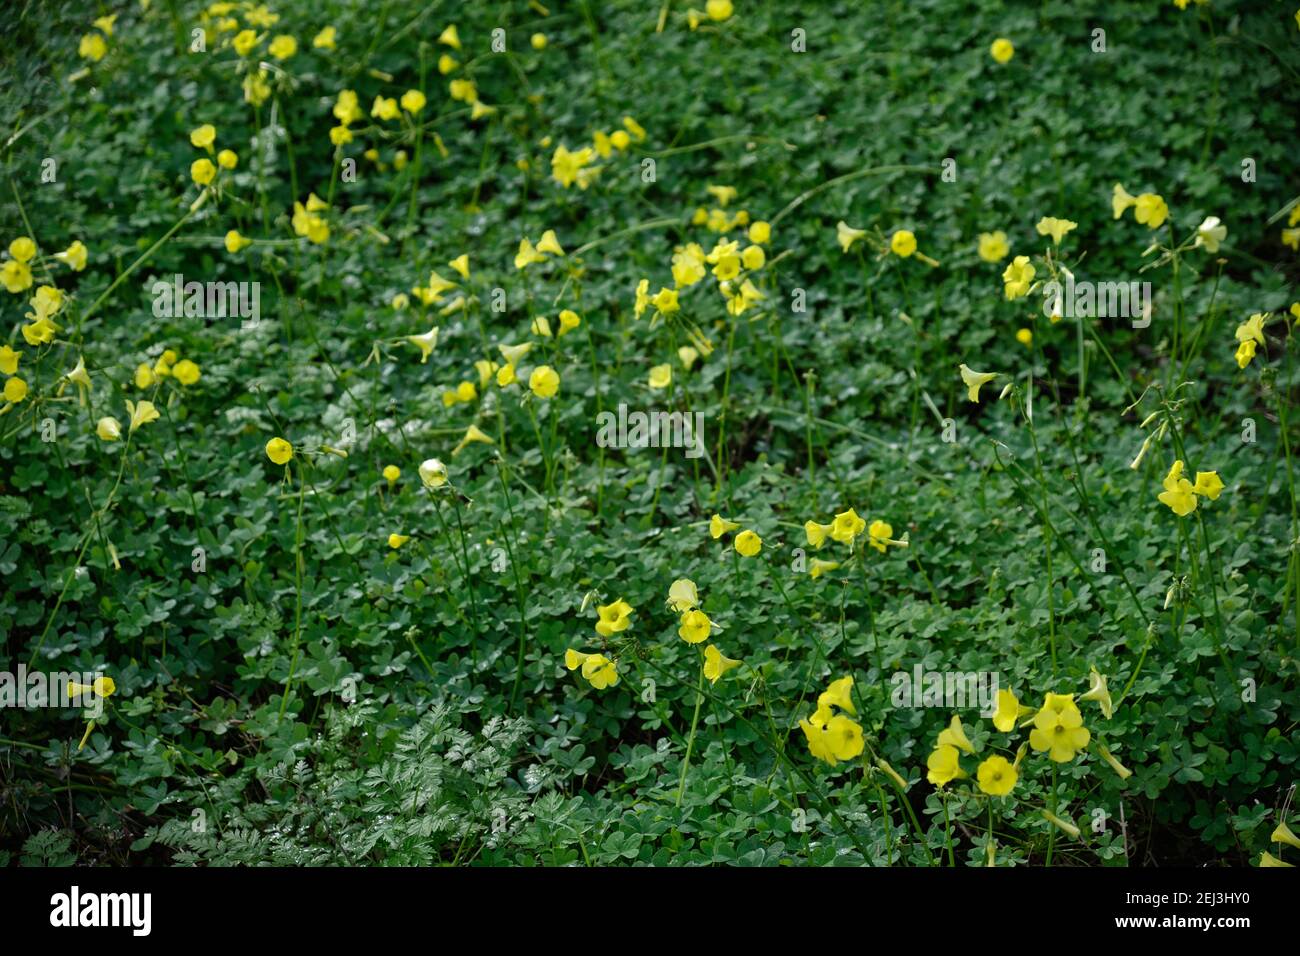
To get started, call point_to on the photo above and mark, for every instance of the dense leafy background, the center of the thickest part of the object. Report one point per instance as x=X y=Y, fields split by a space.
x=437 y=759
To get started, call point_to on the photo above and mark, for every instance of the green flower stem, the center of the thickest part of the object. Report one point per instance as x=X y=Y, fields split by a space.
x=690 y=740
x=297 y=563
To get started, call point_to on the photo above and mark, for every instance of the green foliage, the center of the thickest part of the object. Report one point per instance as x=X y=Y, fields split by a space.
x=314 y=697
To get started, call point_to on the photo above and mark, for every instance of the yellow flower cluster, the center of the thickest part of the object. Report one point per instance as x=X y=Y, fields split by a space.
x=1182 y=495
x=599 y=670
x=833 y=736
x=747 y=544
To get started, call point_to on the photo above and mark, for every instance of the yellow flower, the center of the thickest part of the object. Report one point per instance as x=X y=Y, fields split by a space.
x=395 y=540
x=413 y=101
x=817 y=532
x=847 y=526
x=1002 y=50
x=433 y=473
x=426 y=343
x=1268 y=859
x=832 y=738
x=15 y=391
x=244 y=42
x=574 y=659
x=461 y=265
x=391 y=473
x=141 y=414
x=514 y=354
x=569 y=320
x=760 y=232
x=1179 y=493
x=549 y=244
x=974 y=381
x=661 y=376
x=449 y=37
x=1058 y=728
x=1009 y=710
x=186 y=372
x=566 y=165
x=9 y=360
x=472 y=434
x=753 y=258
x=1151 y=210
x=108 y=429
x=996 y=776
x=1018 y=277
x=538 y=41
x=635 y=128
x=695 y=626
x=256 y=88
x=144 y=376
x=227 y=159
x=23 y=249
x=283 y=47
x=101 y=687
x=541 y=326
x=613 y=618
x=46 y=303
x=92 y=47
x=847 y=235
x=463 y=90
x=1025 y=337
x=600 y=671
x=1056 y=228
x=718 y=10
x=1211 y=233
x=544 y=382
x=642 y=296
x=384 y=108
x=1253 y=328
x=902 y=243
x=954 y=735
x=505 y=375
x=447 y=63
x=1245 y=352
x=1123 y=771
x=15 y=276
x=202 y=171
x=325 y=39
x=1063 y=825
x=1283 y=834
x=1097 y=691
x=718 y=526
x=993 y=246
x=235 y=242
x=748 y=544
x=279 y=451
x=1121 y=200
x=1208 y=484
x=943 y=766
x=74 y=256
x=105 y=24
x=817 y=567
x=881 y=534
x=39 y=332
x=527 y=254
x=716 y=664
x=838 y=694
x=683 y=596
x=688 y=265
x=203 y=137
